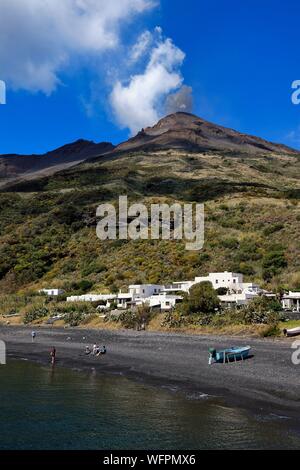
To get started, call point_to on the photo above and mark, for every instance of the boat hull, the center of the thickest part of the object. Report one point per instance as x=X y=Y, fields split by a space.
x=292 y=332
x=232 y=354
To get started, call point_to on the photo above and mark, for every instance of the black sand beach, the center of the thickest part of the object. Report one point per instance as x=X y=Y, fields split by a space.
x=266 y=382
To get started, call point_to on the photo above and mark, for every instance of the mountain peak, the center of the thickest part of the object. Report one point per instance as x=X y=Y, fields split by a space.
x=191 y=133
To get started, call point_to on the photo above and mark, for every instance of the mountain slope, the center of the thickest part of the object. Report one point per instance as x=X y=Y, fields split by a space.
x=31 y=166
x=252 y=215
x=189 y=132
x=179 y=131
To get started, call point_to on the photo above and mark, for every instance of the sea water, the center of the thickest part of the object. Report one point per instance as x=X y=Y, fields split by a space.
x=46 y=408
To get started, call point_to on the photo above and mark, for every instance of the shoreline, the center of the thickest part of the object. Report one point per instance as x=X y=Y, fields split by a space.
x=266 y=383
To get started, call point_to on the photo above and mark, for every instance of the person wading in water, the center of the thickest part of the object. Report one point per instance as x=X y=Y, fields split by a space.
x=53 y=355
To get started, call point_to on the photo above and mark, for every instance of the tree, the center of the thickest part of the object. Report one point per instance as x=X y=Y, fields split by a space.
x=202 y=299
x=273 y=263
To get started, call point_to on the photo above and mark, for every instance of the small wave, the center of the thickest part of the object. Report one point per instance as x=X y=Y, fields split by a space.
x=275 y=416
x=171 y=388
x=198 y=396
x=271 y=417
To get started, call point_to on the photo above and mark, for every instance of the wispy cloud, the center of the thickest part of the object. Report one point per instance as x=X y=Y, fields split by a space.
x=141 y=46
x=139 y=102
x=39 y=38
x=52 y=36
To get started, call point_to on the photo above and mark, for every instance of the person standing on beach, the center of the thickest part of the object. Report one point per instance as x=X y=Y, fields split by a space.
x=33 y=335
x=53 y=355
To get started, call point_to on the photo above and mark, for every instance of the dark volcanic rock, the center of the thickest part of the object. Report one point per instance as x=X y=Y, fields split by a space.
x=13 y=166
x=189 y=132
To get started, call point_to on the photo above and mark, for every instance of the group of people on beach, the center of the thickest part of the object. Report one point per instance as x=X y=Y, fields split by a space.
x=95 y=351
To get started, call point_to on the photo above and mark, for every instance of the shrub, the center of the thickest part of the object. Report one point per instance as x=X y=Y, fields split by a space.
x=136 y=319
x=270 y=330
x=222 y=290
x=231 y=243
x=260 y=310
x=84 y=285
x=73 y=307
x=88 y=318
x=177 y=319
x=35 y=313
x=272 y=229
x=202 y=299
x=74 y=318
x=248 y=250
x=93 y=267
x=204 y=257
x=174 y=320
x=81 y=287
x=246 y=268
x=273 y=263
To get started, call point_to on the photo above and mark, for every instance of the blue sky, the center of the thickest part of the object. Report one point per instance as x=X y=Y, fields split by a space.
x=240 y=60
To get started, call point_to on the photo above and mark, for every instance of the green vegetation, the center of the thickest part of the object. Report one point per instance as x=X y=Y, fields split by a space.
x=137 y=319
x=48 y=237
x=202 y=299
x=273 y=263
x=35 y=313
x=259 y=311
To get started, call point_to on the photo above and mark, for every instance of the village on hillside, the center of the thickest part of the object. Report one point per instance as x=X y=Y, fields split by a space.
x=230 y=287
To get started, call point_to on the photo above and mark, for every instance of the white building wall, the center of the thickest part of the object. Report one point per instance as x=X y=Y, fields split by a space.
x=164 y=301
x=291 y=301
x=145 y=290
x=237 y=299
x=91 y=298
x=52 y=292
x=225 y=279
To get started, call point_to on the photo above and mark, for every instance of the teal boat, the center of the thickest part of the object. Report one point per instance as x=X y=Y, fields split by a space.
x=229 y=354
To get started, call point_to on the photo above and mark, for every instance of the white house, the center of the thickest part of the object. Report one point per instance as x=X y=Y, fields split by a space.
x=229 y=280
x=291 y=301
x=142 y=291
x=124 y=300
x=139 y=294
x=166 y=297
x=164 y=301
x=254 y=288
x=239 y=292
x=52 y=292
x=182 y=286
x=230 y=299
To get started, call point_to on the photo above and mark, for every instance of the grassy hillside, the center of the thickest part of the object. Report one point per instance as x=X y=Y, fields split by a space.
x=48 y=237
